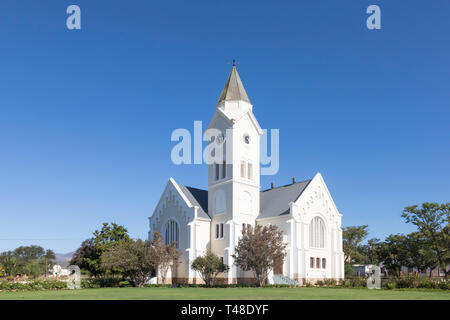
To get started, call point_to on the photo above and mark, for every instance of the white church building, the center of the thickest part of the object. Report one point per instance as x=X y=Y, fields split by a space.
x=213 y=219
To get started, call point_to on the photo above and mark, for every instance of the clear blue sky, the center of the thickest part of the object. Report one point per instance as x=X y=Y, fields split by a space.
x=86 y=116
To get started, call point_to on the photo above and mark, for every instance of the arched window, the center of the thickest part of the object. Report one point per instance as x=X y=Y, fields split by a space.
x=317 y=233
x=172 y=233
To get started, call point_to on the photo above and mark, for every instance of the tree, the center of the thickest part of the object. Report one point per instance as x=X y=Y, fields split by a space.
x=131 y=257
x=110 y=233
x=26 y=254
x=352 y=238
x=33 y=269
x=259 y=249
x=209 y=266
x=420 y=255
x=90 y=251
x=2 y=271
x=11 y=266
x=432 y=221
x=86 y=250
x=26 y=259
x=47 y=260
x=367 y=253
x=163 y=256
x=393 y=253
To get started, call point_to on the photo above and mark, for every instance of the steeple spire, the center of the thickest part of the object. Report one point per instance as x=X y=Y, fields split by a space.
x=234 y=89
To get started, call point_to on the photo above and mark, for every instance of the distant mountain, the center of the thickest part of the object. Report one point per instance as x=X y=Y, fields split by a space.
x=63 y=259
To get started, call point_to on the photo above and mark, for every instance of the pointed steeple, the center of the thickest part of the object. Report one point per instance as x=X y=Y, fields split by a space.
x=234 y=89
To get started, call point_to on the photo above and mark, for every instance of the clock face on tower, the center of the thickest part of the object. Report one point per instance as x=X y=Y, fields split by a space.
x=246 y=138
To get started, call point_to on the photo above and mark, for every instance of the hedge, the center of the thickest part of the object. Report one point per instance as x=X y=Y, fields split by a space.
x=32 y=285
x=355 y=282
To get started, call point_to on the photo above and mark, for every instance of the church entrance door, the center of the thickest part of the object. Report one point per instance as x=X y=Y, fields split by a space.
x=278 y=268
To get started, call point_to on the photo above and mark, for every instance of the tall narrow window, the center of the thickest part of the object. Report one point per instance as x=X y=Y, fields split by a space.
x=224 y=169
x=242 y=169
x=311 y=263
x=324 y=263
x=317 y=262
x=219 y=231
x=217 y=171
x=317 y=233
x=250 y=171
x=172 y=234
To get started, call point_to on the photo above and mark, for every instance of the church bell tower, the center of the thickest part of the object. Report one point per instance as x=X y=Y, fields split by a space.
x=233 y=179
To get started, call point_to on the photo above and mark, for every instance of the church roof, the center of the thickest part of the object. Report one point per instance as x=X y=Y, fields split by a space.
x=275 y=202
x=199 y=198
x=234 y=89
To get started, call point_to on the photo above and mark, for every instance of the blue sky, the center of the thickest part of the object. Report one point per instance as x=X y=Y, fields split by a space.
x=86 y=116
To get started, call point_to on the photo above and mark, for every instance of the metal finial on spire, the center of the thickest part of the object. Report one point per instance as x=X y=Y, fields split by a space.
x=234 y=62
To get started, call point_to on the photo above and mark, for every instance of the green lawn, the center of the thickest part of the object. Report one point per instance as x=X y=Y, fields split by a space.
x=310 y=293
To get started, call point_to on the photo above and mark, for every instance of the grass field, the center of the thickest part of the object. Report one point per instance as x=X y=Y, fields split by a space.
x=305 y=293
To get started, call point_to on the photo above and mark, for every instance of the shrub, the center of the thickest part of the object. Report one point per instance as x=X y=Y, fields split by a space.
x=101 y=283
x=209 y=266
x=390 y=285
x=330 y=282
x=355 y=282
x=348 y=270
x=426 y=283
x=124 y=284
x=444 y=285
x=33 y=270
x=406 y=282
x=33 y=285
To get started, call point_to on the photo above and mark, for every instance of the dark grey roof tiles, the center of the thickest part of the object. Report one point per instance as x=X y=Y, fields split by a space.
x=199 y=198
x=275 y=202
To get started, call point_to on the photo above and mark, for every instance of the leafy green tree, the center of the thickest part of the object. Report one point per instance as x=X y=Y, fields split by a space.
x=348 y=270
x=2 y=271
x=33 y=269
x=47 y=260
x=86 y=250
x=419 y=253
x=110 y=233
x=393 y=253
x=352 y=239
x=25 y=256
x=259 y=250
x=432 y=221
x=131 y=257
x=11 y=266
x=90 y=251
x=209 y=266
x=367 y=253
